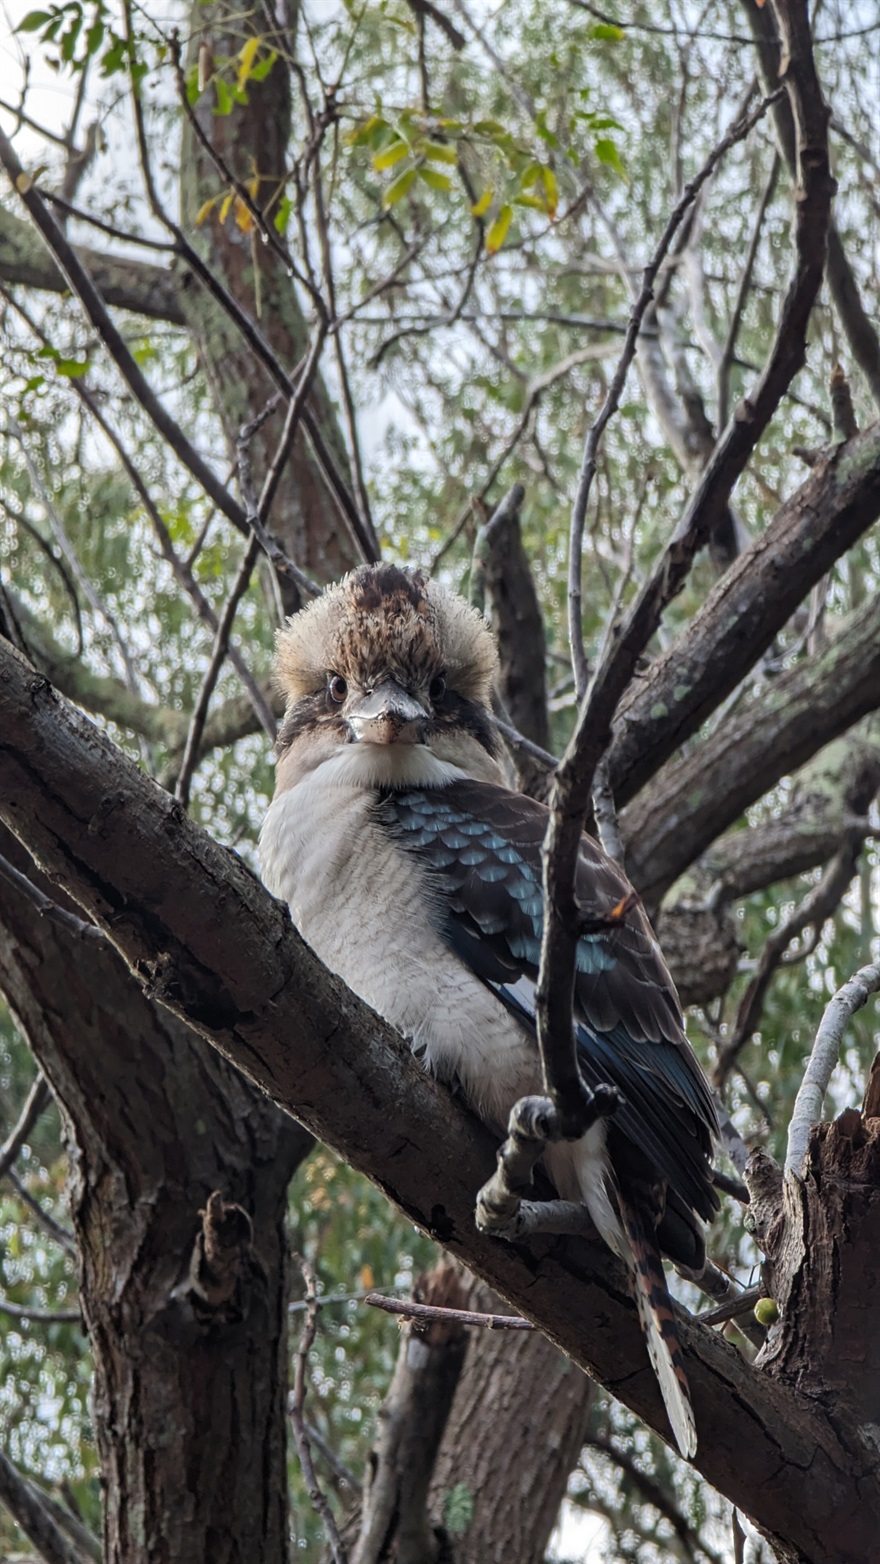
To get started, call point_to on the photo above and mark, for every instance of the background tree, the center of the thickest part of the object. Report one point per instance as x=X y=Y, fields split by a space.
x=387 y=260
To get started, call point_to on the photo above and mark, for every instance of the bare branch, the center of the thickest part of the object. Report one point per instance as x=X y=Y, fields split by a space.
x=297 y=1418
x=821 y=902
x=37 y=1099
x=32 y=1512
x=409 y=1310
x=822 y=1061
x=190 y=919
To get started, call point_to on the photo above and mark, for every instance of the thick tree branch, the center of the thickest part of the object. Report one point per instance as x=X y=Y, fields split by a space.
x=696 y=798
x=138 y=286
x=745 y=611
x=194 y=924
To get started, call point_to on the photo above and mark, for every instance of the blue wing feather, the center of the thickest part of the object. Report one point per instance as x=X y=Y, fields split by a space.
x=480 y=847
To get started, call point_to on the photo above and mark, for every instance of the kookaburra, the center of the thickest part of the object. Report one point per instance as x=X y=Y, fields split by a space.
x=415 y=874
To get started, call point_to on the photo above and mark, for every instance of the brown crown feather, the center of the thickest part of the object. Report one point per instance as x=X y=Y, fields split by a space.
x=382 y=620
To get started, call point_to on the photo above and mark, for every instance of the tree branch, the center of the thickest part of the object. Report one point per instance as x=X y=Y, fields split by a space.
x=193 y=923
x=30 y=1509
x=138 y=286
x=822 y=1061
x=790 y=718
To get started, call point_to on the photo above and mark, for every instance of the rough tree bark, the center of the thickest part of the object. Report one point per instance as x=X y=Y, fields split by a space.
x=253 y=136
x=190 y=1351
x=189 y=918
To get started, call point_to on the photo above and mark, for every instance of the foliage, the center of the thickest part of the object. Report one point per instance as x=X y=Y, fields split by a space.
x=489 y=209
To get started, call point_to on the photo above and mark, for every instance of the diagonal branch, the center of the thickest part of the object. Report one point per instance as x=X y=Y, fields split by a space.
x=191 y=921
x=574 y=778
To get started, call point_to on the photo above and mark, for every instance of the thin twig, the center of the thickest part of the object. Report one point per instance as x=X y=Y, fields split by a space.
x=37 y=1099
x=728 y=350
x=297 y=1418
x=737 y=132
x=822 y=1061
x=77 y=927
x=212 y=672
x=182 y=568
x=574 y=776
x=429 y=1311
x=818 y=905
x=21 y=1311
x=62 y=1235
x=82 y=286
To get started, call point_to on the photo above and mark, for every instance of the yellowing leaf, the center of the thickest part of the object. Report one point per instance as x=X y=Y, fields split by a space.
x=551 y=191
x=205 y=210
x=434 y=178
x=439 y=152
x=498 y=230
x=390 y=155
x=227 y=202
x=481 y=207
x=246 y=59
x=366 y=1278
x=365 y=131
x=243 y=218
x=398 y=189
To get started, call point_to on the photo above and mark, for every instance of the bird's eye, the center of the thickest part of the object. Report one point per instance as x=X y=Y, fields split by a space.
x=337 y=688
x=437 y=688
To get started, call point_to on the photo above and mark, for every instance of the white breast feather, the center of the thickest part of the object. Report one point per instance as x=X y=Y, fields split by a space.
x=364 y=907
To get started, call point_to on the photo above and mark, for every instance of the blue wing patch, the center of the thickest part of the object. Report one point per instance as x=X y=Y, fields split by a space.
x=479 y=846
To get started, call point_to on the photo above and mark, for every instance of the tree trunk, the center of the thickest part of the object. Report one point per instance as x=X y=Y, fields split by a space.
x=255 y=136
x=186 y=1314
x=514 y=1433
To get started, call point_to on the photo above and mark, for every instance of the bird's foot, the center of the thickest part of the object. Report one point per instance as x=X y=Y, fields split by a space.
x=534 y=1124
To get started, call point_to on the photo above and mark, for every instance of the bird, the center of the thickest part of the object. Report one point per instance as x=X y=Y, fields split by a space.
x=413 y=871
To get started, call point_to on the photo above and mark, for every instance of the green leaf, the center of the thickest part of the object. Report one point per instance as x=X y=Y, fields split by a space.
x=366 y=131
x=224 y=97
x=70 y=368
x=263 y=66
x=282 y=215
x=607 y=32
x=607 y=153
x=481 y=207
x=69 y=40
x=114 y=58
x=498 y=230
x=398 y=188
x=33 y=21
x=390 y=155
x=438 y=152
x=95 y=38
x=434 y=178
x=544 y=130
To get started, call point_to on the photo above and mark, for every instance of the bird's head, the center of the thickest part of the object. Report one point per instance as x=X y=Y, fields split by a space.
x=392 y=662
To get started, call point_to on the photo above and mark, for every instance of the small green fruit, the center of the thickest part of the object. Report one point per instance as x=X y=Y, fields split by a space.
x=766 y=1311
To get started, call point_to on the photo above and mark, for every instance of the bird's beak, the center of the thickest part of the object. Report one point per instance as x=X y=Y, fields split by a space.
x=387 y=715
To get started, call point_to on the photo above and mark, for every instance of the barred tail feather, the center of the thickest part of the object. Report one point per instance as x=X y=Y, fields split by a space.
x=658 y=1323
